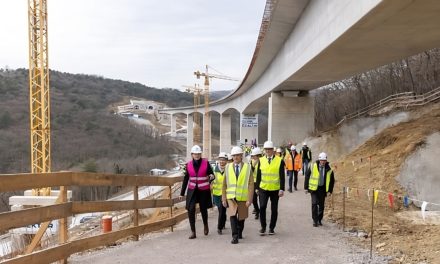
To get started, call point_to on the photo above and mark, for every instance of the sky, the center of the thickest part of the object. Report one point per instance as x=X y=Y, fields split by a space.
x=156 y=43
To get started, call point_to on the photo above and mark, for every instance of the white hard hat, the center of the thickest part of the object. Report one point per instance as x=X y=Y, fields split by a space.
x=322 y=156
x=196 y=149
x=293 y=147
x=268 y=145
x=304 y=144
x=256 y=151
x=279 y=150
x=236 y=151
x=229 y=156
x=223 y=155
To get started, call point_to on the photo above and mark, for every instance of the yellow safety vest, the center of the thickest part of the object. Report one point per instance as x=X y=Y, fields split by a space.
x=255 y=165
x=218 y=183
x=270 y=173
x=314 y=179
x=237 y=188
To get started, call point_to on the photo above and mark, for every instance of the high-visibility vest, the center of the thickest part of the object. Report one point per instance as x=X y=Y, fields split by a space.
x=314 y=179
x=237 y=188
x=255 y=165
x=199 y=179
x=218 y=183
x=306 y=155
x=297 y=162
x=288 y=161
x=270 y=173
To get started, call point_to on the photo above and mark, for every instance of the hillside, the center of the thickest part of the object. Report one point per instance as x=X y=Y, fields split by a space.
x=402 y=156
x=82 y=127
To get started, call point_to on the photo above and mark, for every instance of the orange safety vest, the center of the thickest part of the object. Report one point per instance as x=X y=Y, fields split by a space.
x=288 y=164
x=297 y=163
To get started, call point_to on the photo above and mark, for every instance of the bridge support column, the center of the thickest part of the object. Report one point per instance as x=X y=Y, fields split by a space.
x=189 y=135
x=225 y=133
x=291 y=118
x=248 y=128
x=207 y=136
x=173 y=125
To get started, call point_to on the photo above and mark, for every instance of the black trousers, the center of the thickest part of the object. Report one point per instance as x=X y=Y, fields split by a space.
x=192 y=212
x=221 y=217
x=293 y=176
x=264 y=198
x=318 y=204
x=237 y=226
x=255 y=201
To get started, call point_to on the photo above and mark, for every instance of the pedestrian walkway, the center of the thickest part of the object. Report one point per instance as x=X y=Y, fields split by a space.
x=295 y=241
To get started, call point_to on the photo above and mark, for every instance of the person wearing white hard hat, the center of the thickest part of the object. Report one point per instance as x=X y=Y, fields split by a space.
x=319 y=181
x=306 y=156
x=198 y=175
x=255 y=161
x=230 y=160
x=217 y=187
x=293 y=165
x=279 y=152
x=270 y=182
x=238 y=189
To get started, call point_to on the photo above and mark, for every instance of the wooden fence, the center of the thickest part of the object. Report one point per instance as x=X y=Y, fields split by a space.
x=64 y=209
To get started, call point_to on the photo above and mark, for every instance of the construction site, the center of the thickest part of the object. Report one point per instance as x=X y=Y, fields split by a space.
x=385 y=207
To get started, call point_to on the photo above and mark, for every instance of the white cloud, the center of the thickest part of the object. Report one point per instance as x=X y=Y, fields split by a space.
x=157 y=43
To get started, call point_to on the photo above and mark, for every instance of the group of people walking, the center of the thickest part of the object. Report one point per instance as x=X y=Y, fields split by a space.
x=237 y=184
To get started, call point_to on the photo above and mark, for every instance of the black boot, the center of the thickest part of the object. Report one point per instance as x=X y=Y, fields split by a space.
x=193 y=235
x=206 y=230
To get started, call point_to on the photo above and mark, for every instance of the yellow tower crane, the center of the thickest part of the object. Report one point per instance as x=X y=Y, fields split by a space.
x=206 y=116
x=39 y=90
x=197 y=91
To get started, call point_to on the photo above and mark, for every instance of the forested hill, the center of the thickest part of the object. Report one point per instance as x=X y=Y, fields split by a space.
x=83 y=128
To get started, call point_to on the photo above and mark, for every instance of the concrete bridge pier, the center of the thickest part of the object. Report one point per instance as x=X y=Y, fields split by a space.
x=207 y=142
x=189 y=135
x=225 y=132
x=291 y=118
x=173 y=125
x=248 y=127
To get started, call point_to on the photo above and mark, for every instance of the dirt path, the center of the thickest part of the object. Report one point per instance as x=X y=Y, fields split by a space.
x=295 y=241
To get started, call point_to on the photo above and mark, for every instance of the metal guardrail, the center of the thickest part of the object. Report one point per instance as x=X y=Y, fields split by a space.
x=400 y=100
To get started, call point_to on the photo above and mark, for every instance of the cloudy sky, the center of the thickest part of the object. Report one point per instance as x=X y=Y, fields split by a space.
x=157 y=43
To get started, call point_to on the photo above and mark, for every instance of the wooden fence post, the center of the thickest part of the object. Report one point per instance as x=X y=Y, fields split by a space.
x=63 y=236
x=136 y=211
x=171 y=207
x=343 y=209
x=372 y=226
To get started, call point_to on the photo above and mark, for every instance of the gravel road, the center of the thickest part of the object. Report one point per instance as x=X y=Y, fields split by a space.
x=295 y=241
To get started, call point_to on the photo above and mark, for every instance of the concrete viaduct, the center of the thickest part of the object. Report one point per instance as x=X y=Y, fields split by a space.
x=305 y=44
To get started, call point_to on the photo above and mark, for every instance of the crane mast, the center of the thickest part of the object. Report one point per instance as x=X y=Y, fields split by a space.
x=206 y=116
x=39 y=97
x=197 y=91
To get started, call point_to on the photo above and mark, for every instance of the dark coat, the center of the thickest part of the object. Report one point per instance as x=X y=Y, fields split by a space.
x=305 y=154
x=309 y=172
x=203 y=197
